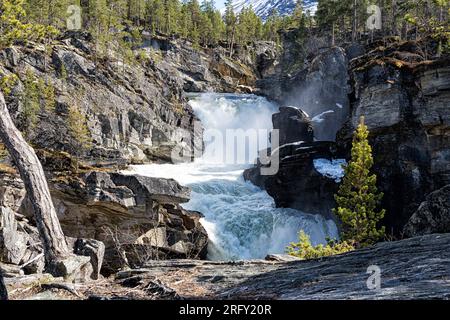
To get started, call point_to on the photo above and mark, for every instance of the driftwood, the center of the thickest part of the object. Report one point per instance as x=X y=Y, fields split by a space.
x=32 y=174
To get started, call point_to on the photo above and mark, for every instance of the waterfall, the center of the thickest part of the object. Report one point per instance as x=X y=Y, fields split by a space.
x=241 y=219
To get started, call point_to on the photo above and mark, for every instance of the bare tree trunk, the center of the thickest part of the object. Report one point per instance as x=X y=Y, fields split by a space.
x=394 y=29
x=232 y=42
x=3 y=291
x=333 y=36
x=354 y=21
x=32 y=174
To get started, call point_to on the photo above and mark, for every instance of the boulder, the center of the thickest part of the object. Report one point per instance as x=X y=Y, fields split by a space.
x=72 y=268
x=93 y=249
x=432 y=216
x=293 y=124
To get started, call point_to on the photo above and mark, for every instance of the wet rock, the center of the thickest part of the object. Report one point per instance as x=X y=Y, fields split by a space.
x=432 y=216
x=293 y=124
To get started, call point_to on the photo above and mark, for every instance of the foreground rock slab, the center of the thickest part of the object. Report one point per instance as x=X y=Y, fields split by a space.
x=417 y=268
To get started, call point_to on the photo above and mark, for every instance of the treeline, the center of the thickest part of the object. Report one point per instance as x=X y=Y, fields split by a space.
x=349 y=20
x=200 y=22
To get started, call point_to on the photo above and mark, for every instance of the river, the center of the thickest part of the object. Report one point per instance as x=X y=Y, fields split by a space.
x=241 y=219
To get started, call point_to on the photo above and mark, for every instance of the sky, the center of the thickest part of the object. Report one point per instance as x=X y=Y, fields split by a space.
x=220 y=4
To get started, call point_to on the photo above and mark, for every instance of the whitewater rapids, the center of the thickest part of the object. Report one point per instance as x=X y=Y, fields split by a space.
x=241 y=219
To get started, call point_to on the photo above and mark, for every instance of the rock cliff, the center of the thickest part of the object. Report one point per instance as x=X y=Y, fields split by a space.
x=137 y=110
x=404 y=96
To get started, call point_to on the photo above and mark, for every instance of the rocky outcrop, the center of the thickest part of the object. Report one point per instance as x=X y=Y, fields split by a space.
x=297 y=183
x=405 y=101
x=416 y=268
x=432 y=216
x=137 y=218
x=21 y=251
x=293 y=125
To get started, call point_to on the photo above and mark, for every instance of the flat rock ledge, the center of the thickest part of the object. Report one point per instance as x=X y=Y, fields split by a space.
x=416 y=268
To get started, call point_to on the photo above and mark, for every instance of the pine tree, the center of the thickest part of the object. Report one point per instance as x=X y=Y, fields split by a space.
x=13 y=26
x=230 y=24
x=78 y=129
x=358 y=197
x=30 y=102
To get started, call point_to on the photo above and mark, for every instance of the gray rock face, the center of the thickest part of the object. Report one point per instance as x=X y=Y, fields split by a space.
x=416 y=268
x=319 y=87
x=297 y=184
x=19 y=242
x=407 y=111
x=21 y=251
x=432 y=216
x=404 y=100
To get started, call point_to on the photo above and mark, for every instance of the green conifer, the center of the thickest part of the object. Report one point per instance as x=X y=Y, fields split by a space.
x=358 y=196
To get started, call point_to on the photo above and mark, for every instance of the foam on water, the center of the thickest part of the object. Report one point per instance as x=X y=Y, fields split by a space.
x=240 y=218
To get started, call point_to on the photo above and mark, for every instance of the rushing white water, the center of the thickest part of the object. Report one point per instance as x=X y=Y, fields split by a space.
x=241 y=219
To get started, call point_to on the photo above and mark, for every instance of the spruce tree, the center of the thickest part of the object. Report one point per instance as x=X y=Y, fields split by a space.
x=358 y=196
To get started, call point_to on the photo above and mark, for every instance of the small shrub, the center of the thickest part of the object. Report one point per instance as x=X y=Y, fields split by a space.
x=7 y=83
x=305 y=250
